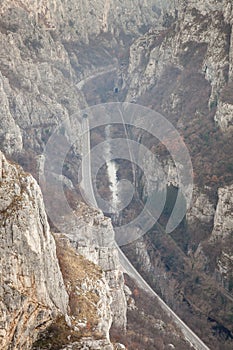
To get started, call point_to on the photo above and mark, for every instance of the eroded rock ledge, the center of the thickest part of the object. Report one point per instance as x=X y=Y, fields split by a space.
x=47 y=288
x=32 y=290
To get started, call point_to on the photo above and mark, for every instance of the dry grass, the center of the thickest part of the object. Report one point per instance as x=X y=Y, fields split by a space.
x=82 y=304
x=56 y=336
x=75 y=269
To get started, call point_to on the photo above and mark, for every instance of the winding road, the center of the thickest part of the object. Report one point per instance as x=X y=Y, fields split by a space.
x=106 y=70
x=126 y=266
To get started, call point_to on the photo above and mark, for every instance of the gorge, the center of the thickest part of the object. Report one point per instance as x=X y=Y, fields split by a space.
x=62 y=286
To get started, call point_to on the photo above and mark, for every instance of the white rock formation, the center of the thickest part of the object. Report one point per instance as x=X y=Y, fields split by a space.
x=223 y=220
x=224 y=116
x=202 y=208
x=198 y=23
x=86 y=18
x=32 y=291
x=10 y=134
x=92 y=235
x=90 y=298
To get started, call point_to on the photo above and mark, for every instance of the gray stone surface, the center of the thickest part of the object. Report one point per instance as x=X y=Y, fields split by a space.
x=32 y=289
x=42 y=62
x=92 y=235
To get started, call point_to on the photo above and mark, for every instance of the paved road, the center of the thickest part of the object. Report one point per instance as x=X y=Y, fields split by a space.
x=127 y=267
x=86 y=183
x=189 y=335
x=108 y=69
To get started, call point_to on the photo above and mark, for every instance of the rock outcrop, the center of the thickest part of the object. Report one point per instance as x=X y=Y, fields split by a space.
x=202 y=27
x=224 y=116
x=208 y=23
x=46 y=285
x=87 y=19
x=92 y=235
x=202 y=209
x=37 y=83
x=222 y=237
x=32 y=289
x=223 y=220
x=90 y=314
x=44 y=55
x=173 y=56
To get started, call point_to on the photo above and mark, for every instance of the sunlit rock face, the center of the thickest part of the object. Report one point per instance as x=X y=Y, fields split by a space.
x=90 y=315
x=38 y=278
x=201 y=208
x=44 y=62
x=223 y=220
x=87 y=18
x=39 y=66
x=32 y=288
x=200 y=22
x=224 y=116
x=219 y=248
x=92 y=235
x=37 y=82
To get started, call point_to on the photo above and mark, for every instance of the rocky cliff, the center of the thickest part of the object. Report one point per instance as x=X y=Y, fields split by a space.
x=184 y=71
x=35 y=73
x=203 y=30
x=89 y=320
x=87 y=19
x=49 y=290
x=91 y=234
x=173 y=56
x=32 y=288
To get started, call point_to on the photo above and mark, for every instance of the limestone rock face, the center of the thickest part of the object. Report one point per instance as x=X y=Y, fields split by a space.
x=39 y=67
x=197 y=45
x=48 y=51
x=223 y=220
x=90 y=314
x=83 y=19
x=32 y=289
x=12 y=139
x=202 y=208
x=41 y=281
x=217 y=255
x=224 y=116
x=92 y=235
x=159 y=177
x=221 y=237
x=36 y=82
x=224 y=269
x=203 y=26
x=38 y=91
